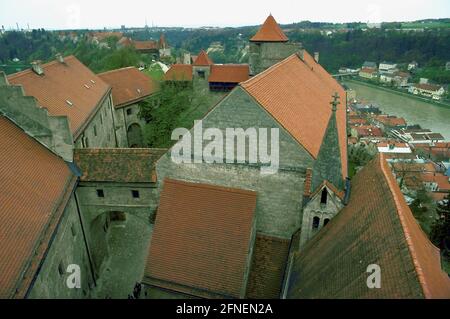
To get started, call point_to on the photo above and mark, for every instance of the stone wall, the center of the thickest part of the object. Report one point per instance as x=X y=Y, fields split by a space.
x=278 y=211
x=117 y=198
x=67 y=247
x=314 y=208
x=100 y=132
x=265 y=54
x=126 y=118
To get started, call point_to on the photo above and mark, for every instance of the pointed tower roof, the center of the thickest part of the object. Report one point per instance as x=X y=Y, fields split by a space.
x=203 y=59
x=270 y=31
x=327 y=166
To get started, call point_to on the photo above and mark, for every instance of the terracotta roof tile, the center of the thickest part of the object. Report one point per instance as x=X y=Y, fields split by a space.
x=64 y=82
x=129 y=85
x=201 y=238
x=179 y=72
x=146 y=45
x=121 y=165
x=268 y=266
x=229 y=73
x=270 y=31
x=203 y=59
x=33 y=182
x=376 y=227
x=297 y=94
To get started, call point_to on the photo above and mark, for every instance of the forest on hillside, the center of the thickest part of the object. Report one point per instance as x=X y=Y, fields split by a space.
x=430 y=47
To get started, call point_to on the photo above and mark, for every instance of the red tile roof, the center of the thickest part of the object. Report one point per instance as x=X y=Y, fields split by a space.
x=203 y=59
x=63 y=82
x=229 y=73
x=268 y=267
x=297 y=94
x=121 y=165
x=376 y=227
x=129 y=85
x=201 y=238
x=270 y=31
x=33 y=183
x=146 y=45
x=179 y=72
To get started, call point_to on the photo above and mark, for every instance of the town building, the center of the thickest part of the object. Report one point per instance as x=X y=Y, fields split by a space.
x=413 y=65
x=434 y=91
x=66 y=87
x=387 y=67
x=368 y=73
x=129 y=88
x=370 y=65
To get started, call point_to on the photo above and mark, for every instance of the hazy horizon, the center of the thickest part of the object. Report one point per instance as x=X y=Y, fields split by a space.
x=84 y=14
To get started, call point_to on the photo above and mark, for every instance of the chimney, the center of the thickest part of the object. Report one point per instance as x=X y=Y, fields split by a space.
x=316 y=57
x=37 y=67
x=59 y=57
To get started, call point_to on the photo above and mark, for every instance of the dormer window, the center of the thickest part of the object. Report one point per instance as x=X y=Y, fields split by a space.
x=324 y=196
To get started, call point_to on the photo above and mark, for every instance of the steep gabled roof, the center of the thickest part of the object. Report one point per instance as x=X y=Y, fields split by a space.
x=63 y=84
x=376 y=227
x=297 y=93
x=203 y=59
x=34 y=184
x=201 y=239
x=129 y=85
x=179 y=72
x=270 y=31
x=229 y=73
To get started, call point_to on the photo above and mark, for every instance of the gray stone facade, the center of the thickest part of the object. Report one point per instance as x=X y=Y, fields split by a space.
x=278 y=210
x=129 y=126
x=100 y=130
x=67 y=247
x=265 y=54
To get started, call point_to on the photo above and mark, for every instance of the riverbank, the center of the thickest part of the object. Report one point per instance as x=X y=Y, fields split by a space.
x=398 y=92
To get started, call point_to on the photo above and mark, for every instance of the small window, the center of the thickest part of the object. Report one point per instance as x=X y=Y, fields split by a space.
x=101 y=118
x=135 y=193
x=61 y=267
x=325 y=221
x=323 y=197
x=86 y=142
x=74 y=230
x=129 y=111
x=100 y=193
x=95 y=130
x=201 y=74
x=316 y=222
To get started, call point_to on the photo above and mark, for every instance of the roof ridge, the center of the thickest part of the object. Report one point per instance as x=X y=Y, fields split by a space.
x=210 y=186
x=117 y=70
x=407 y=234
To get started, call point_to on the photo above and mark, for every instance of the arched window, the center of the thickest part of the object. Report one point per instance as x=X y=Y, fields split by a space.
x=323 y=197
x=325 y=221
x=316 y=222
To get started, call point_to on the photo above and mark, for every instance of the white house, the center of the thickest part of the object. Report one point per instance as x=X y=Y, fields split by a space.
x=387 y=67
x=434 y=91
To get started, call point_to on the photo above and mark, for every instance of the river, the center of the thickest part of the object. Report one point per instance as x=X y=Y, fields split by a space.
x=427 y=115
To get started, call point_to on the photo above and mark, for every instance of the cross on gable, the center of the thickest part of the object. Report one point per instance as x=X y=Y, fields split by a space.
x=335 y=101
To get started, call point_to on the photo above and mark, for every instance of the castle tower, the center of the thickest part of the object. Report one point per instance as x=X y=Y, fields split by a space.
x=269 y=46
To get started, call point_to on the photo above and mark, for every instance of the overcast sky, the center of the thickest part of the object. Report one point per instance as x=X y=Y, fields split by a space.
x=73 y=14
